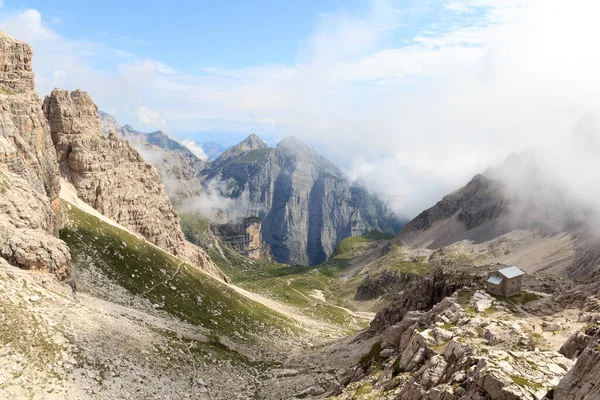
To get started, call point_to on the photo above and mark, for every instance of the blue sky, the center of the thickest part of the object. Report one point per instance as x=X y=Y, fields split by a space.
x=421 y=93
x=190 y=34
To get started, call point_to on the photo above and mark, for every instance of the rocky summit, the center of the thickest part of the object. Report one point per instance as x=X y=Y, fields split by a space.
x=306 y=205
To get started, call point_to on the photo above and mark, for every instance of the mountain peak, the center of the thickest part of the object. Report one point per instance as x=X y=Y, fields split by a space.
x=252 y=142
x=292 y=141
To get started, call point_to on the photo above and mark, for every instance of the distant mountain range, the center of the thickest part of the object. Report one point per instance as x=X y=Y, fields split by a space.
x=306 y=205
x=212 y=149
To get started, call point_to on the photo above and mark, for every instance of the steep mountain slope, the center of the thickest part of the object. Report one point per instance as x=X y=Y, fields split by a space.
x=305 y=204
x=29 y=176
x=112 y=177
x=178 y=167
x=515 y=215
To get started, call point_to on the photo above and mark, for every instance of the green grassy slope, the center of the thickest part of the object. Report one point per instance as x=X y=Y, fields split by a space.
x=296 y=285
x=168 y=283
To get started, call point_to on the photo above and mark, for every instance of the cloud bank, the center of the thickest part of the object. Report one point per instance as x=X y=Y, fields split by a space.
x=412 y=121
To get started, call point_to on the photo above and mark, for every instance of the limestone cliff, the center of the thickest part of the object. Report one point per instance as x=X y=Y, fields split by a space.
x=113 y=178
x=582 y=382
x=29 y=205
x=245 y=237
x=305 y=204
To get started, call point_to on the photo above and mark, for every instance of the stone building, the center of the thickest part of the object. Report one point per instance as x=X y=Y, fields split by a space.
x=505 y=282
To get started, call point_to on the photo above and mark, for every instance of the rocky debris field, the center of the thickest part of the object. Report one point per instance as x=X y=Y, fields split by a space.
x=474 y=346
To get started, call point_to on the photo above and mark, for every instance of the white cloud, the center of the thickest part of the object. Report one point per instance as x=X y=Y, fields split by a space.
x=195 y=148
x=412 y=121
x=149 y=117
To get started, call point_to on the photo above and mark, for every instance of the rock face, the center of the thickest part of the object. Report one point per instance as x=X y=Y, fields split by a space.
x=113 y=178
x=305 y=204
x=26 y=223
x=29 y=205
x=582 y=382
x=244 y=237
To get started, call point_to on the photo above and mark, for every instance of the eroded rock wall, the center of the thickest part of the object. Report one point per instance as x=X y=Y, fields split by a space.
x=112 y=177
x=29 y=175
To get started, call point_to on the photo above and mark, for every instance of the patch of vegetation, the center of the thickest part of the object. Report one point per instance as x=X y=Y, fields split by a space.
x=372 y=357
x=365 y=388
x=447 y=326
x=410 y=267
x=6 y=91
x=537 y=340
x=525 y=383
x=347 y=248
x=490 y=311
x=532 y=364
x=440 y=348
x=24 y=334
x=167 y=282
x=464 y=296
x=196 y=229
x=396 y=368
x=563 y=366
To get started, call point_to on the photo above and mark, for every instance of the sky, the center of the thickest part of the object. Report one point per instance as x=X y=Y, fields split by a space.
x=409 y=98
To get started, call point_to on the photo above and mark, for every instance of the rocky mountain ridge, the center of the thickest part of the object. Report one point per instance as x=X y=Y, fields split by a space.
x=112 y=177
x=514 y=215
x=305 y=203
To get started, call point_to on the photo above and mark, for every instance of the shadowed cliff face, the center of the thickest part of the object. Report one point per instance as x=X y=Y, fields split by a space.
x=306 y=205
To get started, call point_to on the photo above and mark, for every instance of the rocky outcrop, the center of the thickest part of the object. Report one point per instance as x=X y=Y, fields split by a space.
x=376 y=286
x=421 y=294
x=582 y=382
x=113 y=178
x=447 y=353
x=305 y=204
x=578 y=342
x=25 y=218
x=29 y=205
x=244 y=237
